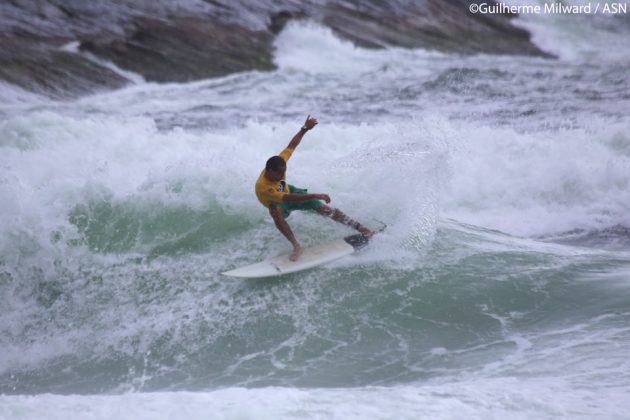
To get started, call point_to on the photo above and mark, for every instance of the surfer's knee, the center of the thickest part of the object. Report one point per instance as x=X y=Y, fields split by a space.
x=276 y=213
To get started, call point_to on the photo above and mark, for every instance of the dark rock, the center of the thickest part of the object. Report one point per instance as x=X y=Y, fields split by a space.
x=41 y=66
x=279 y=20
x=185 y=49
x=444 y=26
x=167 y=41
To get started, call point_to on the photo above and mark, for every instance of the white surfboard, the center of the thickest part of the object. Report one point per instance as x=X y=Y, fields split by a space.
x=311 y=257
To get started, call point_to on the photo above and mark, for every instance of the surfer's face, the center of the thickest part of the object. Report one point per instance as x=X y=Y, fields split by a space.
x=277 y=174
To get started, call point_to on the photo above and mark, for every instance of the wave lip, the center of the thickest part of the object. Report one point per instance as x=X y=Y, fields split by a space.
x=613 y=238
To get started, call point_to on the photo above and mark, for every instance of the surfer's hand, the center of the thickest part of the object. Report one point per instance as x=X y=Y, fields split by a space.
x=310 y=122
x=324 y=197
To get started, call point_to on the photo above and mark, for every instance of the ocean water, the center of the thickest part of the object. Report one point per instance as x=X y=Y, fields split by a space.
x=501 y=288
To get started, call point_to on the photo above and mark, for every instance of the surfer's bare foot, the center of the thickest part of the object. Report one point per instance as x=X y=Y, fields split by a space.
x=366 y=232
x=296 y=254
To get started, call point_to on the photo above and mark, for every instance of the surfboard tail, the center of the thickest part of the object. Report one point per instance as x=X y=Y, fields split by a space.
x=357 y=241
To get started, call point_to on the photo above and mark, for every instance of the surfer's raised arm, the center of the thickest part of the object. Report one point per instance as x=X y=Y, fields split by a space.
x=308 y=125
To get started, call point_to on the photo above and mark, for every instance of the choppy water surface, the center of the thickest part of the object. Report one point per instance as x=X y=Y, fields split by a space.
x=500 y=288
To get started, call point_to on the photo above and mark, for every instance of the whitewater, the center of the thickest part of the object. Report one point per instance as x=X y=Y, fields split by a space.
x=501 y=288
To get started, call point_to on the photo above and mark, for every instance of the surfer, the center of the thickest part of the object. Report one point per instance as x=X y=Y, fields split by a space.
x=281 y=198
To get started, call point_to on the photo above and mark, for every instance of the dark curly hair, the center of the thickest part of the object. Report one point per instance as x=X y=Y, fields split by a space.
x=274 y=163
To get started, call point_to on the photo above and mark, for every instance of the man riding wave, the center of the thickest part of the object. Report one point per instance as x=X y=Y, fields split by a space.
x=281 y=198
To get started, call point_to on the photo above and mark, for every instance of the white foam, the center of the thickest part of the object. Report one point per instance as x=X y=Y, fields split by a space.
x=309 y=47
x=534 y=183
x=577 y=37
x=13 y=98
x=521 y=183
x=54 y=163
x=502 y=397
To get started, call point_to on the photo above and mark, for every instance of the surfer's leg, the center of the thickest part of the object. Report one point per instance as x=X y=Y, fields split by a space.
x=339 y=216
x=282 y=225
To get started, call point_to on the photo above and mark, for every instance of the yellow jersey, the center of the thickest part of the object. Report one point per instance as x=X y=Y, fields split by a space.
x=269 y=192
